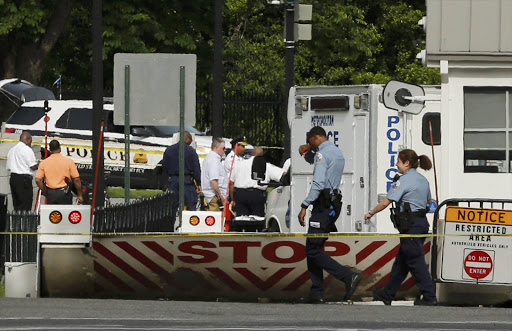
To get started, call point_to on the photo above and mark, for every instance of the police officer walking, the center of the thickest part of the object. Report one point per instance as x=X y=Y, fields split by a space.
x=412 y=193
x=325 y=197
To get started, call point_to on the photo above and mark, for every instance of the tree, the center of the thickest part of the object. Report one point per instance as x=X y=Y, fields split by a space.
x=354 y=42
x=29 y=30
x=130 y=26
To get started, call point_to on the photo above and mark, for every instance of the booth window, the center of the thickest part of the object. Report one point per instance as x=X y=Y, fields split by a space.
x=431 y=120
x=487 y=129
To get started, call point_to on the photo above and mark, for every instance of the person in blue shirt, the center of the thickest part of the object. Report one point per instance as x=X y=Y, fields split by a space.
x=170 y=165
x=411 y=191
x=325 y=197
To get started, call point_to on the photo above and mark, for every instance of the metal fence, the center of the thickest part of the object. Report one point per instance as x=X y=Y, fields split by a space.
x=144 y=215
x=257 y=116
x=21 y=247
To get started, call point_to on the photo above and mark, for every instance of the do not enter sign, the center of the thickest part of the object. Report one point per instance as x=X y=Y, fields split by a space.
x=478 y=264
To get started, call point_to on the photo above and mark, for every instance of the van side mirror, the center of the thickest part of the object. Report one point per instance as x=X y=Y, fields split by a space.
x=405 y=97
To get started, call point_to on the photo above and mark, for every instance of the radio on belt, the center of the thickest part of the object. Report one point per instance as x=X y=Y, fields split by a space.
x=65 y=224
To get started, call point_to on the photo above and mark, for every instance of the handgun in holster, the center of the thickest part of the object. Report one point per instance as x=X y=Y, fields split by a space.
x=401 y=220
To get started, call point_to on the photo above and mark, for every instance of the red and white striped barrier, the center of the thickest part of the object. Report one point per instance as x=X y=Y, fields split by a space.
x=223 y=266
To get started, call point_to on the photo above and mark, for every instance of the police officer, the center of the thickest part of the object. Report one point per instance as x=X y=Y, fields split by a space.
x=249 y=195
x=412 y=193
x=170 y=165
x=326 y=200
x=240 y=150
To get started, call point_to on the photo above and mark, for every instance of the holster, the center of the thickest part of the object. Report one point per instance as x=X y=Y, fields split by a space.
x=402 y=220
x=326 y=199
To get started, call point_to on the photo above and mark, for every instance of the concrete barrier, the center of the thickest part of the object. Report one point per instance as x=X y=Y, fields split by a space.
x=207 y=267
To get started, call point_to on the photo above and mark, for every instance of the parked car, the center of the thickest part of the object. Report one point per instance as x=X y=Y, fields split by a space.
x=70 y=121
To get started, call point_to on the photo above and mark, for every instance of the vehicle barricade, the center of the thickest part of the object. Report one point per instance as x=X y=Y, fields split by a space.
x=144 y=215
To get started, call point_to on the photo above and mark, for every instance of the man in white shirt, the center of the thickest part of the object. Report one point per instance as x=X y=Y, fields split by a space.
x=228 y=162
x=214 y=180
x=21 y=161
x=248 y=195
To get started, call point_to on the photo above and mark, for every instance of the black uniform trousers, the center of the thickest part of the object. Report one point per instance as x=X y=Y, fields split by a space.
x=190 y=195
x=249 y=201
x=411 y=258
x=317 y=259
x=21 y=190
x=58 y=196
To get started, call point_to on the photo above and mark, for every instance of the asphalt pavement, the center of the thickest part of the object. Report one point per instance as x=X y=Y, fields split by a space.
x=105 y=314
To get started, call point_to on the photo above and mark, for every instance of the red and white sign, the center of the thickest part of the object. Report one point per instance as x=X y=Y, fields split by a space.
x=205 y=267
x=478 y=264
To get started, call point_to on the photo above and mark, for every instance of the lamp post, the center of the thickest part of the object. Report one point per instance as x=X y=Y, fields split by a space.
x=289 y=62
x=293 y=12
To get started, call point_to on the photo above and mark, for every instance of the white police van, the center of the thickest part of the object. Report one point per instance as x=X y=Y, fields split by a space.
x=70 y=122
x=369 y=135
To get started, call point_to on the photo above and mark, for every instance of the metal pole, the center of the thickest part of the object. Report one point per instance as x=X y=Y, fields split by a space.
x=126 y=133
x=97 y=101
x=182 y=142
x=218 y=72
x=289 y=66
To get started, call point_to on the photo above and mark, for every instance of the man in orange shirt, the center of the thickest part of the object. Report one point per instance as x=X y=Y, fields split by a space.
x=56 y=171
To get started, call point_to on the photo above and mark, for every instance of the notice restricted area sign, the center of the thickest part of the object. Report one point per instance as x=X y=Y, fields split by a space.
x=477 y=245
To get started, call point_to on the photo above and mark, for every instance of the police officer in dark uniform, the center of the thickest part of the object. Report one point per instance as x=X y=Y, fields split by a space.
x=170 y=165
x=325 y=197
x=412 y=193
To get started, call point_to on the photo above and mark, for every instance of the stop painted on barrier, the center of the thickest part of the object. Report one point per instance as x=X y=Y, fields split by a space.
x=478 y=264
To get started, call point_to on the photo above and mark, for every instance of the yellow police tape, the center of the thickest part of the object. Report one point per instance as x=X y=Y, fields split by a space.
x=115 y=149
x=258 y=234
x=140 y=150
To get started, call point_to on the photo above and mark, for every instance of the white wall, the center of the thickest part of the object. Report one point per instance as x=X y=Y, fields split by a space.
x=455 y=183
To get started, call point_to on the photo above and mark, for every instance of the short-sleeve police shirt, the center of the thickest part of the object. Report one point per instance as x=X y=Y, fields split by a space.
x=412 y=187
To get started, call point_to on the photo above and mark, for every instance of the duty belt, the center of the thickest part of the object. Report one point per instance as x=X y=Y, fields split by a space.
x=186 y=176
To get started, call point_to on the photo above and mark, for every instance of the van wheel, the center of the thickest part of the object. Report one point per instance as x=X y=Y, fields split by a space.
x=273 y=226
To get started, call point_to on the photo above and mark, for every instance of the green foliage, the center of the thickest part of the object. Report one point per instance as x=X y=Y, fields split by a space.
x=118 y=192
x=132 y=26
x=24 y=20
x=354 y=42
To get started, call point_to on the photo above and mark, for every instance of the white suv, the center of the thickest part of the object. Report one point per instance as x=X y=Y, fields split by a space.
x=70 y=122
